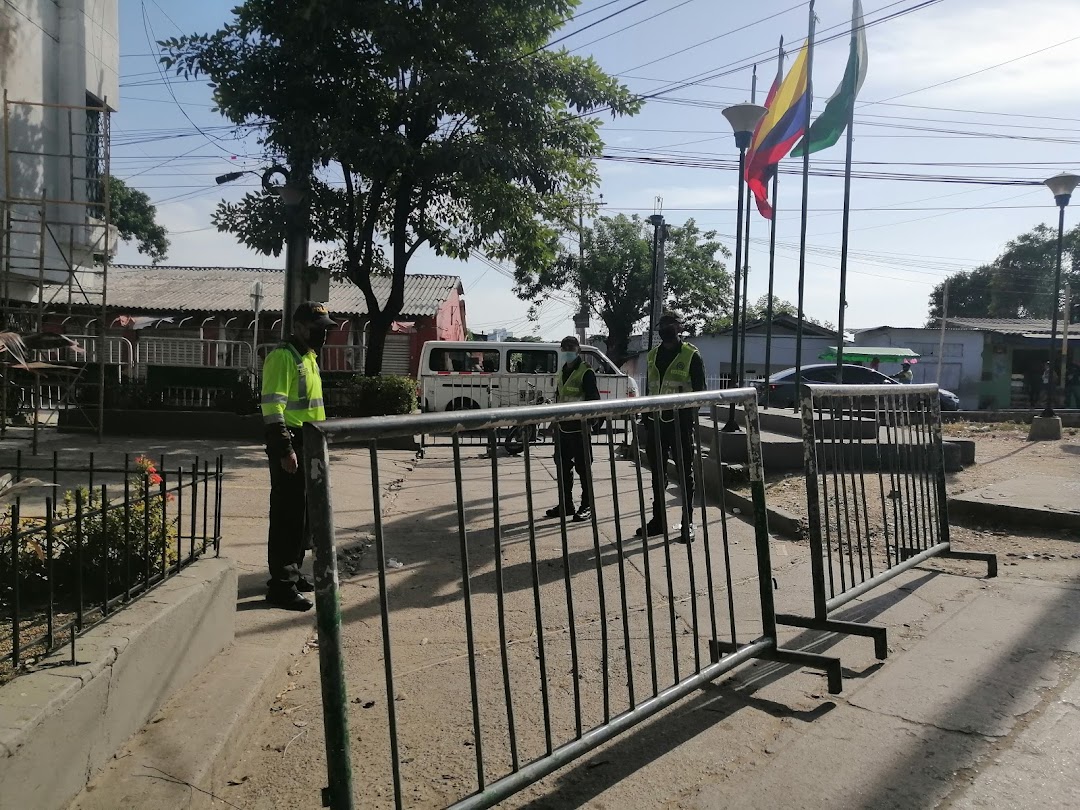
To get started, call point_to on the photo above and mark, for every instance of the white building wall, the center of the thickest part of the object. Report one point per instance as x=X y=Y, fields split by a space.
x=961 y=362
x=52 y=52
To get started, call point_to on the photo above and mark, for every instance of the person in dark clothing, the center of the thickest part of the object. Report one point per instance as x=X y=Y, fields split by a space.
x=674 y=367
x=576 y=383
x=291 y=396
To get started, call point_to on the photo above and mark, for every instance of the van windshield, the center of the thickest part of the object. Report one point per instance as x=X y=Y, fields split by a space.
x=463 y=360
x=598 y=363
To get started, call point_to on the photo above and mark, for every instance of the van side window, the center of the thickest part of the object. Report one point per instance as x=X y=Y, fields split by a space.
x=463 y=360
x=532 y=361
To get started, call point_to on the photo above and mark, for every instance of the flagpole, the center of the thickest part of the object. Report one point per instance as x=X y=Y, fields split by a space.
x=772 y=253
x=805 y=201
x=746 y=257
x=849 y=89
x=844 y=249
x=772 y=270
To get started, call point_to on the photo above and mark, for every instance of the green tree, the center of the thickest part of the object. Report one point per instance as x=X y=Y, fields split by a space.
x=443 y=125
x=616 y=276
x=135 y=217
x=759 y=310
x=1017 y=284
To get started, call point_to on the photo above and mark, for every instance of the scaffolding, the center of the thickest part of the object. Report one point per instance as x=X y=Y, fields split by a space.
x=56 y=235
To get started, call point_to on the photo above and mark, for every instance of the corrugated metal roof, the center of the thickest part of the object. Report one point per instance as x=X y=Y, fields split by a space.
x=1012 y=326
x=228 y=289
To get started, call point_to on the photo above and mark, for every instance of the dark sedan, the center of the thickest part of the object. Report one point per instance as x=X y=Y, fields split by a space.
x=782 y=393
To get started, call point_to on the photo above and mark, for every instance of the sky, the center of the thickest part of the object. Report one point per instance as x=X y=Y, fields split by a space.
x=957 y=89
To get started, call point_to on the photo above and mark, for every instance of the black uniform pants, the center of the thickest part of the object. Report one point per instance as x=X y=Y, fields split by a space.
x=661 y=442
x=572 y=453
x=287 y=540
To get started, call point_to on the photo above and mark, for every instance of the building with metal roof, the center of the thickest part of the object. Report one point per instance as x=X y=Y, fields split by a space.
x=992 y=363
x=207 y=315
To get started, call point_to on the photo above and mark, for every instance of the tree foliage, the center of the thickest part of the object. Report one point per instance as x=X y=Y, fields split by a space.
x=759 y=310
x=437 y=124
x=135 y=218
x=616 y=276
x=1017 y=284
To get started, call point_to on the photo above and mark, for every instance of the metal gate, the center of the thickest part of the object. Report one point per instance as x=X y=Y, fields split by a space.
x=875 y=494
x=555 y=635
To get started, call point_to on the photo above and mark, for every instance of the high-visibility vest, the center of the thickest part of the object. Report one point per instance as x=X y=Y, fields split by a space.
x=291 y=388
x=676 y=377
x=571 y=389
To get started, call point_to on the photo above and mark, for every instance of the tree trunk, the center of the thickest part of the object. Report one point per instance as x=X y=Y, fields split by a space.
x=378 y=327
x=618 y=345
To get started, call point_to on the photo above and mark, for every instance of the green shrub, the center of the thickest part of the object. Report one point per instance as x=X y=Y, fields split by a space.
x=100 y=547
x=375 y=396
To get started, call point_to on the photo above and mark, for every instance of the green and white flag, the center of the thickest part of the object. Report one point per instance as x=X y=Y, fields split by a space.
x=838 y=112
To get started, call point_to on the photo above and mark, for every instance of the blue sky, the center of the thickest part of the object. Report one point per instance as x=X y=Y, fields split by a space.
x=938 y=100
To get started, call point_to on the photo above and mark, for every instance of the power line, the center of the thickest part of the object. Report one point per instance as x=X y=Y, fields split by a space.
x=632 y=25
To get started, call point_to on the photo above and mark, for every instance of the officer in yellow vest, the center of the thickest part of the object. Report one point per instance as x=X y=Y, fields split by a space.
x=576 y=383
x=291 y=396
x=674 y=367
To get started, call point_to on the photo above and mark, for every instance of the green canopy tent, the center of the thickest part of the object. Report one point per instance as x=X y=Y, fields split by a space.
x=864 y=354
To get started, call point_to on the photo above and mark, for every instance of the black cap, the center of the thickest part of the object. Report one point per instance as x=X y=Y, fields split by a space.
x=314 y=314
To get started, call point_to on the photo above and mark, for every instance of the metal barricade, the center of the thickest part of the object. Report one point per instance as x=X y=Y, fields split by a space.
x=876 y=501
x=548 y=637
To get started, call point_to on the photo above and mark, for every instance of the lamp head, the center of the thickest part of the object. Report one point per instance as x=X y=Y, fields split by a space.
x=1061 y=186
x=228 y=177
x=744 y=119
x=656 y=220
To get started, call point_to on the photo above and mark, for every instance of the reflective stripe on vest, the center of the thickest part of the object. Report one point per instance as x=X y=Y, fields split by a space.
x=306 y=404
x=571 y=389
x=676 y=378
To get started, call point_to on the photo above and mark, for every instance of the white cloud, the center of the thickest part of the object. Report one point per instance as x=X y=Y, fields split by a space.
x=949 y=41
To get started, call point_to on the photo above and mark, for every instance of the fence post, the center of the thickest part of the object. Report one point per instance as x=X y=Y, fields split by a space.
x=320 y=509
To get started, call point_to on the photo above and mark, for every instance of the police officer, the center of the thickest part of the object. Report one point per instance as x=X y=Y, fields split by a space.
x=291 y=396
x=674 y=367
x=576 y=383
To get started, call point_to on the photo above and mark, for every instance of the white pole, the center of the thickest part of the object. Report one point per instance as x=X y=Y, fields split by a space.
x=1065 y=337
x=256 y=298
x=941 y=340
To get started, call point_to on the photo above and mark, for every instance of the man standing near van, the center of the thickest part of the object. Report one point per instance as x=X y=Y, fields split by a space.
x=675 y=367
x=576 y=382
x=291 y=396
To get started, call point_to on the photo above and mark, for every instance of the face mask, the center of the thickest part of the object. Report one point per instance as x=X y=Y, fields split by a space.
x=316 y=338
x=566 y=358
x=668 y=332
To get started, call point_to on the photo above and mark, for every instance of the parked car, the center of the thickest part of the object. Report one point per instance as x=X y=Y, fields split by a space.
x=782 y=392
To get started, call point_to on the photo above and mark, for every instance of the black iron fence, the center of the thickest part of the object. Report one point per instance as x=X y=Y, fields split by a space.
x=68 y=559
x=875 y=494
x=556 y=630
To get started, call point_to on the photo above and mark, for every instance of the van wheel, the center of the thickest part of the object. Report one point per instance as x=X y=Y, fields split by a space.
x=463 y=404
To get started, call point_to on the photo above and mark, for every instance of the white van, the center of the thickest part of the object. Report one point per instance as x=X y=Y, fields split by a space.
x=462 y=375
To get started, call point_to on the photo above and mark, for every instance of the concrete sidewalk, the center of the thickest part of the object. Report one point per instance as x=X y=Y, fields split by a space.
x=191 y=740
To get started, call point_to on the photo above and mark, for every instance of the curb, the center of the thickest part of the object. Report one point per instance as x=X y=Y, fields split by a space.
x=60 y=725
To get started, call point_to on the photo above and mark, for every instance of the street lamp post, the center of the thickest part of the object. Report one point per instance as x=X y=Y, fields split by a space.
x=296 y=236
x=1061 y=186
x=743 y=119
x=656 y=308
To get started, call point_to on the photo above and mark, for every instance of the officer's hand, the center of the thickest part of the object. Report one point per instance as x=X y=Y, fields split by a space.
x=289 y=463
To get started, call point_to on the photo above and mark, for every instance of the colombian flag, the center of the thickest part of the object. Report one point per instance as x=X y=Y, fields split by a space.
x=778 y=131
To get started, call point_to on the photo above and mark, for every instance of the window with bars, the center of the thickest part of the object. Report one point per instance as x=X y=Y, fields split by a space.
x=95 y=158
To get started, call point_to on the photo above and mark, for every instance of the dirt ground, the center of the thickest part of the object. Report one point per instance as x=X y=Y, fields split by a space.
x=431 y=694
x=1002 y=452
